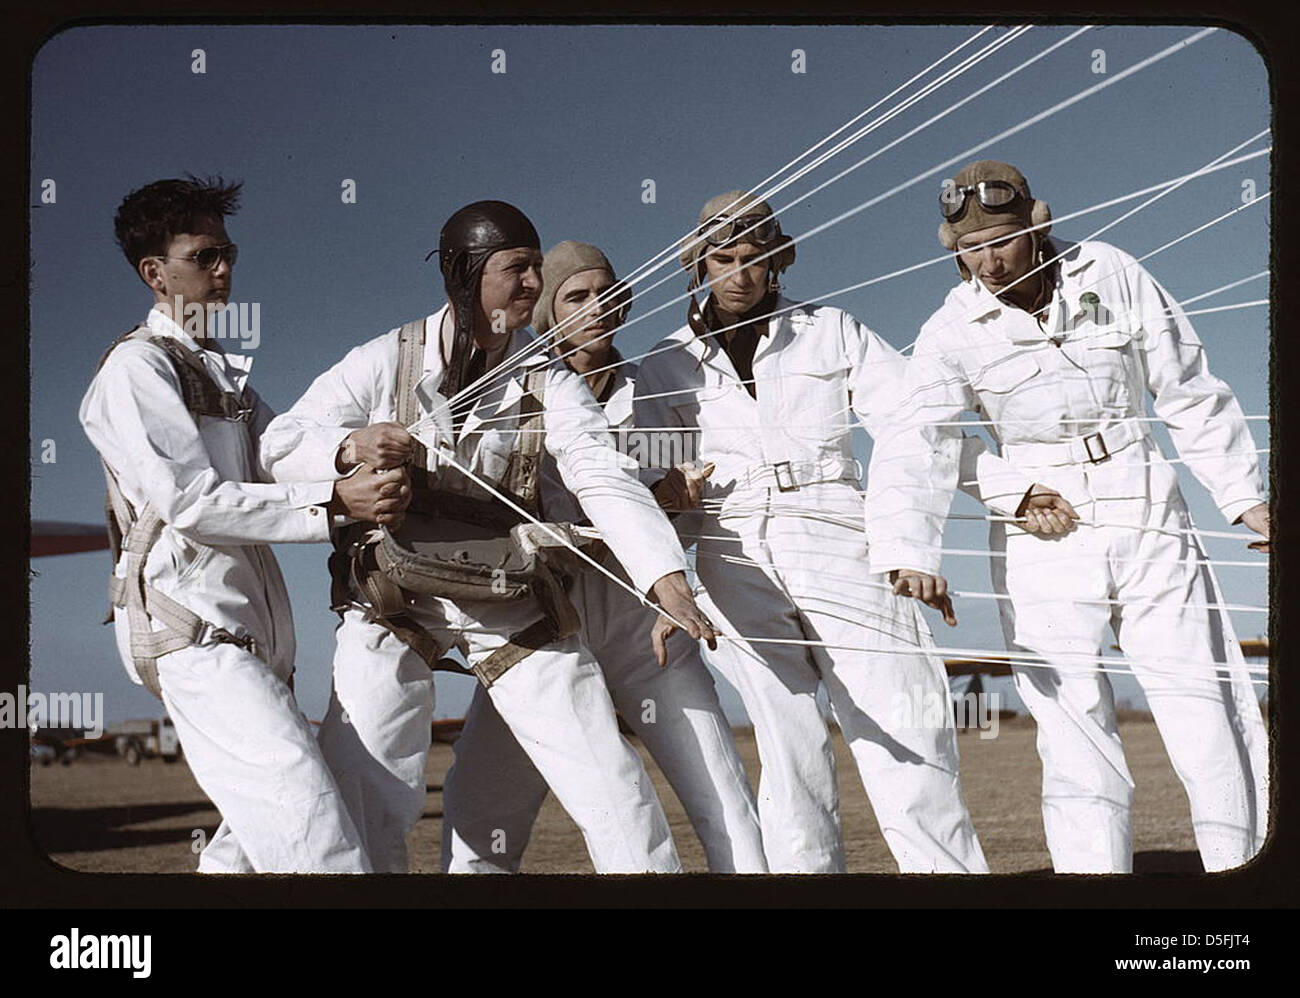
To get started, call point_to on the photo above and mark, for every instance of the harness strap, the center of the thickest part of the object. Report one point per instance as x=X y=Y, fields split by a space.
x=410 y=365
x=533 y=637
x=137 y=534
x=522 y=473
x=356 y=573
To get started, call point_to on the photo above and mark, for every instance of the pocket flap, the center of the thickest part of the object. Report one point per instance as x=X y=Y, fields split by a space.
x=1006 y=373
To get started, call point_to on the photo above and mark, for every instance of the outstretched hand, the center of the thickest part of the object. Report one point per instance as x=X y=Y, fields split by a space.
x=674 y=596
x=932 y=590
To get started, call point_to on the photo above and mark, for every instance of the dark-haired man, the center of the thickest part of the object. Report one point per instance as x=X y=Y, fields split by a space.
x=202 y=616
x=508 y=399
x=492 y=793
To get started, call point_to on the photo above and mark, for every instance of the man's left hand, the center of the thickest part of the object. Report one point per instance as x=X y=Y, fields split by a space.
x=674 y=596
x=1046 y=512
x=932 y=590
x=1257 y=519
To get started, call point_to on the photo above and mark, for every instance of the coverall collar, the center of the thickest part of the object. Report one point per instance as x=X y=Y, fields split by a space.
x=232 y=368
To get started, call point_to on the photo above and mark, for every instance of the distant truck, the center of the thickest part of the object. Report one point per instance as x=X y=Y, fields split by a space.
x=144 y=739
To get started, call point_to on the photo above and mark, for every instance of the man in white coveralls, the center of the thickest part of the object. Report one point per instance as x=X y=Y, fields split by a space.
x=550 y=692
x=768 y=389
x=493 y=793
x=201 y=612
x=1058 y=345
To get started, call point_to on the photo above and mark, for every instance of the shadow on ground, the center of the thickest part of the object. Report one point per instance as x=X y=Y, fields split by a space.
x=60 y=829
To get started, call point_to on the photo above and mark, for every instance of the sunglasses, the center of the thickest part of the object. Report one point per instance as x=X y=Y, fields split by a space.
x=208 y=257
x=953 y=200
x=757 y=229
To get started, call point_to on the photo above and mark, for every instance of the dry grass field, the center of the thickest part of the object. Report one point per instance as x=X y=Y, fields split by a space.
x=101 y=815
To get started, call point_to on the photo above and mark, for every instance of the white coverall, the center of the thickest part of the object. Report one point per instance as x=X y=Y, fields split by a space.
x=555 y=700
x=244 y=737
x=1134 y=563
x=791 y=567
x=492 y=793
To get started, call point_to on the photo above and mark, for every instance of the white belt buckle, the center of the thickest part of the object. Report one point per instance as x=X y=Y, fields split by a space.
x=789 y=472
x=1101 y=442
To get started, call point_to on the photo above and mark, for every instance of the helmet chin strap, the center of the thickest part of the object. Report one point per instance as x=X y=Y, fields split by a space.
x=464 y=305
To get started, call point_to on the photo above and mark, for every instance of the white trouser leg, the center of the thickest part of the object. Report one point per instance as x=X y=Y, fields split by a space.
x=255 y=756
x=223 y=853
x=1204 y=719
x=798 y=800
x=376 y=735
x=491 y=795
x=1087 y=789
x=557 y=706
x=493 y=792
x=1056 y=611
x=885 y=699
x=675 y=711
x=812 y=583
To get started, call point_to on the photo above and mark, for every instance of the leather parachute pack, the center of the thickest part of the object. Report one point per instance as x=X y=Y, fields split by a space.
x=136 y=532
x=457 y=546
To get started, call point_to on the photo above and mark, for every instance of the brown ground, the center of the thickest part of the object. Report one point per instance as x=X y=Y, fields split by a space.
x=101 y=815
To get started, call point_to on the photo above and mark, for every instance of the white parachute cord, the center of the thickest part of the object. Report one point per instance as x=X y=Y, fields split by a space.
x=1088 y=664
x=858 y=580
x=1116 y=221
x=666 y=255
x=985 y=553
x=497 y=493
x=960 y=157
x=946 y=257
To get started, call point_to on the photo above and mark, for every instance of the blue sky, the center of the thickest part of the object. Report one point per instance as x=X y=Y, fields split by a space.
x=581 y=118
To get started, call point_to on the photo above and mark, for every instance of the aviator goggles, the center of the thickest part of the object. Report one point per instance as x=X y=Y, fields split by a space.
x=954 y=200
x=757 y=229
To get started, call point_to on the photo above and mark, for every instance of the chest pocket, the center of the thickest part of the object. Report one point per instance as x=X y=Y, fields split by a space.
x=814 y=396
x=1107 y=355
x=1005 y=374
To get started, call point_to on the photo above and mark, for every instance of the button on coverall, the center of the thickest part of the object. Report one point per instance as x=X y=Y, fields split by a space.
x=244 y=737
x=376 y=733
x=492 y=793
x=786 y=572
x=1134 y=563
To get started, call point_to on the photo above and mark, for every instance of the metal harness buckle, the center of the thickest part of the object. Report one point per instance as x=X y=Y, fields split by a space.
x=223 y=636
x=789 y=472
x=1101 y=442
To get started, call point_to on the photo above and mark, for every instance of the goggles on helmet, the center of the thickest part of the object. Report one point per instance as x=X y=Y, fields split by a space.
x=954 y=200
x=757 y=229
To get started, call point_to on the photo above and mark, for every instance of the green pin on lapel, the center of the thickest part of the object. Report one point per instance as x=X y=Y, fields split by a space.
x=1088 y=301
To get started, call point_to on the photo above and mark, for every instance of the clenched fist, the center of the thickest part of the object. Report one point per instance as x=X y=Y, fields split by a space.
x=682 y=487
x=1046 y=512
x=375 y=495
x=381 y=445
